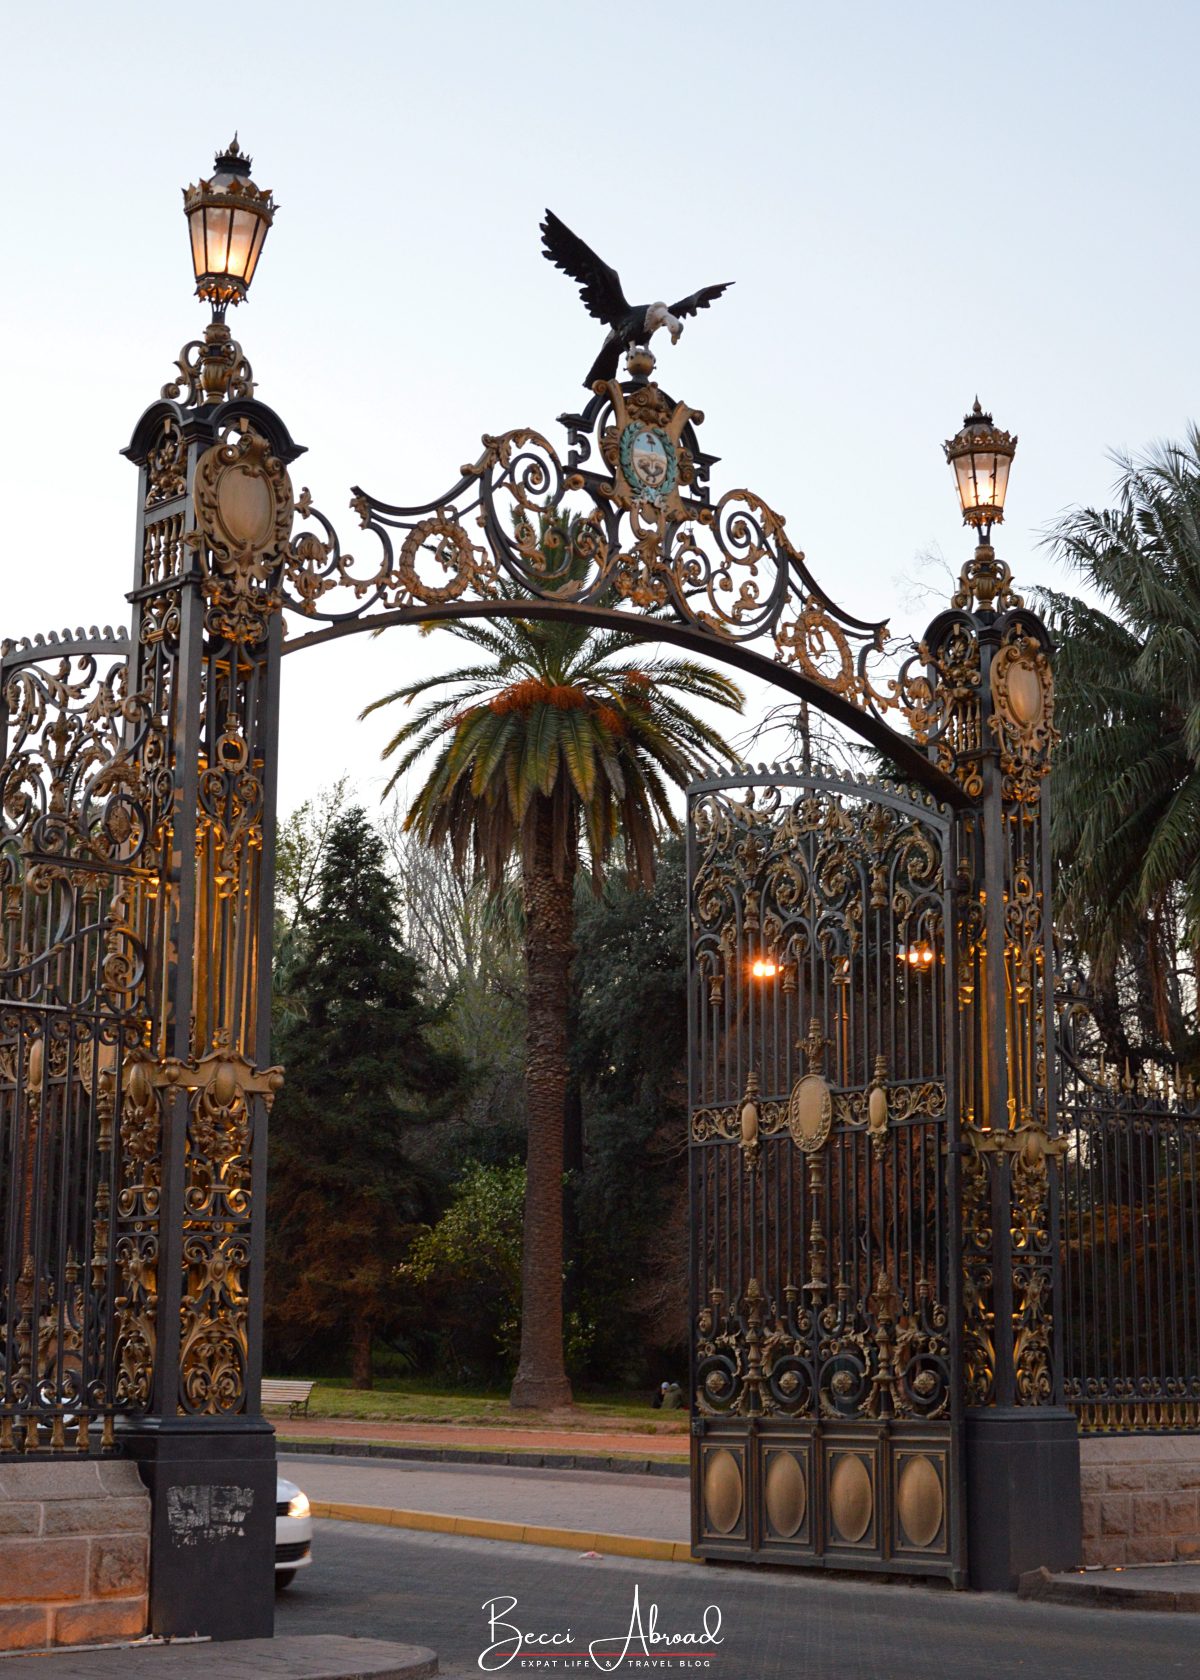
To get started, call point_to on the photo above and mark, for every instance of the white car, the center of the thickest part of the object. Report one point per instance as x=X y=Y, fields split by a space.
x=293 y=1532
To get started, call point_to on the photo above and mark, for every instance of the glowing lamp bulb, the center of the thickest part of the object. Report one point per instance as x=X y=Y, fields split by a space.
x=918 y=956
x=763 y=968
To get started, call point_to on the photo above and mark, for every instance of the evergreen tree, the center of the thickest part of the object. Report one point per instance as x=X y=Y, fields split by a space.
x=344 y=1194
x=630 y=1062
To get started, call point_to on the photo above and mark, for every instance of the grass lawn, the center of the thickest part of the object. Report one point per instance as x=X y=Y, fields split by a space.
x=412 y=1400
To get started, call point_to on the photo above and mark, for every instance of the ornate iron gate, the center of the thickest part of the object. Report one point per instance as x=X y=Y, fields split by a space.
x=79 y=1179
x=824 y=1176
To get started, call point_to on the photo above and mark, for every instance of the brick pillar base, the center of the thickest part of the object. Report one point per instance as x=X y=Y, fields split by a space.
x=74 y=1552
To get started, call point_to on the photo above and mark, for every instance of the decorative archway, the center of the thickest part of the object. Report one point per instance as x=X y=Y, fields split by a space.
x=137 y=847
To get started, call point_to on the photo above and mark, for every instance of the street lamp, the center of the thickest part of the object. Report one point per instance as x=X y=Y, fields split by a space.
x=981 y=455
x=228 y=217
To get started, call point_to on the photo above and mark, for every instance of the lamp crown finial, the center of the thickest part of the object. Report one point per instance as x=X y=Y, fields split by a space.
x=233 y=159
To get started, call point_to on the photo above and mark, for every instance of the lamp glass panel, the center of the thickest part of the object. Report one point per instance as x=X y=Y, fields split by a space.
x=196 y=229
x=260 y=234
x=964 y=476
x=217 y=252
x=1003 y=463
x=240 y=243
x=985 y=478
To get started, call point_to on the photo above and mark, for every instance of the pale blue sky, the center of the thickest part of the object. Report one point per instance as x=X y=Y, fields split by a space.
x=917 y=203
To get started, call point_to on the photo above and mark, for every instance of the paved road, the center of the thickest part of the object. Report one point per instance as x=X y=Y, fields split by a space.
x=652 y=1506
x=778 y=1625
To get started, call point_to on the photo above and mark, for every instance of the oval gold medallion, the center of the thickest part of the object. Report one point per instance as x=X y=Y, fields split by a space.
x=810 y=1112
x=920 y=1501
x=1025 y=694
x=722 y=1490
x=850 y=1498
x=786 y=1494
x=246 y=506
x=877 y=1109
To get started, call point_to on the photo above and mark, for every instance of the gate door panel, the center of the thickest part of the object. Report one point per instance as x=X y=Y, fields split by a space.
x=823 y=1101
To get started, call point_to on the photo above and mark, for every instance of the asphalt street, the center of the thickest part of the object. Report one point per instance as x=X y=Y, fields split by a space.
x=430 y=1589
x=653 y=1506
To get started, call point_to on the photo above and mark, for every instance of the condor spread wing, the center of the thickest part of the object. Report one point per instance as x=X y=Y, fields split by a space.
x=699 y=300
x=599 y=285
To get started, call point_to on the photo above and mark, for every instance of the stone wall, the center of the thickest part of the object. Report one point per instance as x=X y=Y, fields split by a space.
x=1141 y=1498
x=74 y=1553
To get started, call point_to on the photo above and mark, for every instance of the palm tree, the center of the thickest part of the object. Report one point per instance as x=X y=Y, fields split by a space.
x=550 y=751
x=1126 y=805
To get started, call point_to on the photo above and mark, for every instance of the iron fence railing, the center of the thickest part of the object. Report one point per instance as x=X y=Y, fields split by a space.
x=1131 y=1247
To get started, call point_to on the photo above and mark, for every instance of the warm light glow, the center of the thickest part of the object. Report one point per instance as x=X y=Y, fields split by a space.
x=763 y=968
x=981 y=455
x=228 y=217
x=917 y=956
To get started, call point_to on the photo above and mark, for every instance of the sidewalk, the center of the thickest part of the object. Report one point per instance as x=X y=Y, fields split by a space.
x=1140 y=1586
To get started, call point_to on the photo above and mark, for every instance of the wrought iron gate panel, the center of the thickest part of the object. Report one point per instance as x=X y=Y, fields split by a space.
x=825 y=1232
x=78 y=1168
x=1130 y=1237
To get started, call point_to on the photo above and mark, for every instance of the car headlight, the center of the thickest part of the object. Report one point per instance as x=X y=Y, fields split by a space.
x=298 y=1505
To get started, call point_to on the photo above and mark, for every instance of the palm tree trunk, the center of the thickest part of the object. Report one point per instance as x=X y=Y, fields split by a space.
x=362 y=1364
x=541 y=1378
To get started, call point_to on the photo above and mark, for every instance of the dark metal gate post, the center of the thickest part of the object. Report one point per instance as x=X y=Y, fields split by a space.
x=989 y=666
x=215 y=511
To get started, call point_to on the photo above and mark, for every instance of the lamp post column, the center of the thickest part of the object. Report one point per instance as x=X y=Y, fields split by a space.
x=990 y=660
x=214 y=519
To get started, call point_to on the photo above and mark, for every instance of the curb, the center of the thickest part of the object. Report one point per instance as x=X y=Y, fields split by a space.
x=529 y=1534
x=311 y=1656
x=1045 y=1588
x=522 y=1459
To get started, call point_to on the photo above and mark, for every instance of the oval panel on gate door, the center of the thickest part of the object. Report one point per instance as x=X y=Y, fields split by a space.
x=786 y=1494
x=920 y=1501
x=722 y=1490
x=851 y=1500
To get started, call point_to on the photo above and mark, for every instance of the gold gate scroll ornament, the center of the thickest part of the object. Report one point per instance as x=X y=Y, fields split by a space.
x=244 y=514
x=810 y=1107
x=1023 y=713
x=877 y=1104
x=810 y=1112
x=749 y=1121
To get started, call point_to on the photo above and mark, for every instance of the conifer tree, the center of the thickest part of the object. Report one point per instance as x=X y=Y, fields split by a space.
x=361 y=1076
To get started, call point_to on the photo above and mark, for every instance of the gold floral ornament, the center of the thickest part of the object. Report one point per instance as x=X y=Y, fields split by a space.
x=214 y=1312
x=645 y=534
x=1022 y=718
x=244 y=512
x=810 y=1108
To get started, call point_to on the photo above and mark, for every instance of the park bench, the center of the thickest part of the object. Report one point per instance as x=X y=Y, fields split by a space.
x=293 y=1395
